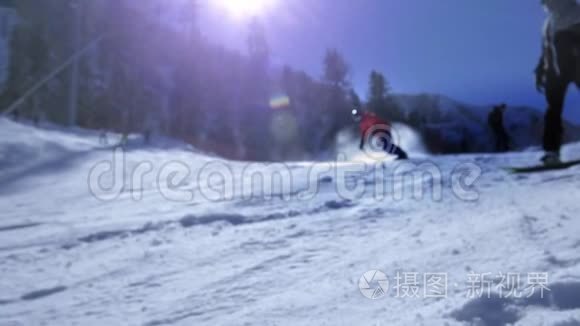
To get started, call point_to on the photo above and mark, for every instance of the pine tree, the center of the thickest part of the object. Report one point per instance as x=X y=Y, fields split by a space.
x=378 y=89
x=335 y=68
x=379 y=99
x=355 y=99
x=144 y=71
x=255 y=119
x=29 y=52
x=336 y=108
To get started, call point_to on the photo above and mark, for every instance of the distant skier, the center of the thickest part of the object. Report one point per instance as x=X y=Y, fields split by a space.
x=372 y=126
x=558 y=67
x=495 y=121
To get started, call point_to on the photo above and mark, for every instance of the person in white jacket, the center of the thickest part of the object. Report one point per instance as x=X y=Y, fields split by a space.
x=559 y=66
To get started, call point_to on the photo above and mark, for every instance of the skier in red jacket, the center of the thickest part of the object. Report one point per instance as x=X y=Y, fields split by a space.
x=372 y=126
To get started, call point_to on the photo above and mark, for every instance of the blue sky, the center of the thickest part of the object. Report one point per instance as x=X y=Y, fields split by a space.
x=481 y=52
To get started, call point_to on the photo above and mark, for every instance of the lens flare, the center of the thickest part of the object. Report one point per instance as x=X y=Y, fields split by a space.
x=279 y=101
x=246 y=8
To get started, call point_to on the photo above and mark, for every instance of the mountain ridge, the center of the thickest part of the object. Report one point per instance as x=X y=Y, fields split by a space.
x=452 y=126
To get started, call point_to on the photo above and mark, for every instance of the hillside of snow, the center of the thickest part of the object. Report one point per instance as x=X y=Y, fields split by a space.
x=165 y=235
x=453 y=126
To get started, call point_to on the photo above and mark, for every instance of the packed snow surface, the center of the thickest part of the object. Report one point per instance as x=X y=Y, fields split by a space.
x=178 y=237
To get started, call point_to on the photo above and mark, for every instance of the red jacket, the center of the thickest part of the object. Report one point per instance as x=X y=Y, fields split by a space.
x=370 y=120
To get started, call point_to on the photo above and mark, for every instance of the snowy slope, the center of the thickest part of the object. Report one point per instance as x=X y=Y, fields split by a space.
x=150 y=257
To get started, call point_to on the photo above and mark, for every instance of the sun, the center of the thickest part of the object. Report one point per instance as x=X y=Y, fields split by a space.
x=245 y=8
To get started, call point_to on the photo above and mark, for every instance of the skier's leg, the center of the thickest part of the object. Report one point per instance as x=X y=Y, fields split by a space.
x=576 y=58
x=556 y=87
x=392 y=148
x=401 y=154
x=505 y=141
x=498 y=138
x=553 y=130
x=389 y=145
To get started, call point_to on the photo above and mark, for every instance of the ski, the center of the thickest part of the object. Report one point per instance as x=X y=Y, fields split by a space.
x=544 y=167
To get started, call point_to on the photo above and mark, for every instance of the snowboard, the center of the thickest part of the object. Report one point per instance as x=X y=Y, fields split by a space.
x=543 y=167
